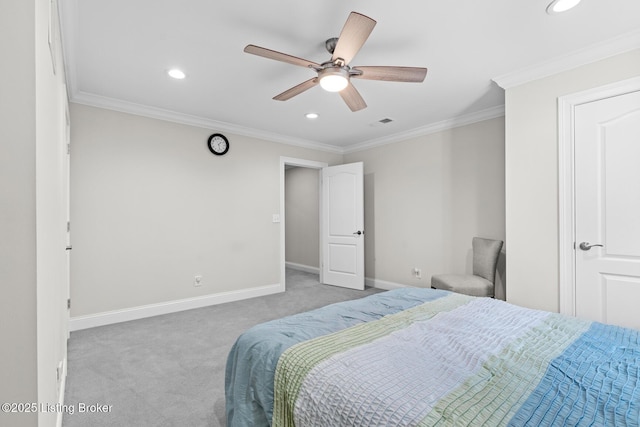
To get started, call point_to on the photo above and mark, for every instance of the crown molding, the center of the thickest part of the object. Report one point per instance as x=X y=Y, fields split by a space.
x=68 y=15
x=462 y=120
x=175 y=117
x=98 y=101
x=615 y=46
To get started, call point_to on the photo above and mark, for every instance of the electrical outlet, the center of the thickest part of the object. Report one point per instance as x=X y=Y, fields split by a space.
x=197 y=281
x=417 y=273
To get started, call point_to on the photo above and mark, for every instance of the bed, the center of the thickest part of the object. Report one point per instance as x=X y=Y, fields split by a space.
x=424 y=357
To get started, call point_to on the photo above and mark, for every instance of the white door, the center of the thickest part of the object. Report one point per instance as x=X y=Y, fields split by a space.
x=607 y=210
x=343 y=226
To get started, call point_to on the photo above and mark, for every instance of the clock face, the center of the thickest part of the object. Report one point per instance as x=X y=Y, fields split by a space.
x=218 y=144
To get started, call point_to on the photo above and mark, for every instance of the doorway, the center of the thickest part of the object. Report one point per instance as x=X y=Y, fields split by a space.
x=598 y=181
x=287 y=163
x=302 y=225
x=341 y=225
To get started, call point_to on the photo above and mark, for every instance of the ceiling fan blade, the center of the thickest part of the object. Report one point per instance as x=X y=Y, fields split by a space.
x=353 y=98
x=354 y=33
x=279 y=56
x=296 y=90
x=392 y=74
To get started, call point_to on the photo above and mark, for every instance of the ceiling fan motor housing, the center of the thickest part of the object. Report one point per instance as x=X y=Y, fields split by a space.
x=330 y=44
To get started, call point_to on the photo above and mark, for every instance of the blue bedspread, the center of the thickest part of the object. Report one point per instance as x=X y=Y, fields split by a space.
x=420 y=357
x=463 y=361
x=593 y=382
x=253 y=358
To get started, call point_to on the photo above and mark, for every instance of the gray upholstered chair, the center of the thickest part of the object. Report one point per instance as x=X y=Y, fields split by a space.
x=482 y=282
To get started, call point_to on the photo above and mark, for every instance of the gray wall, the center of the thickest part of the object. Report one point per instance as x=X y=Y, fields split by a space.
x=18 y=354
x=532 y=175
x=152 y=208
x=33 y=214
x=425 y=199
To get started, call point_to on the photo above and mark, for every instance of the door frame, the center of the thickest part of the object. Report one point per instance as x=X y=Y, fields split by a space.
x=566 y=182
x=67 y=184
x=311 y=164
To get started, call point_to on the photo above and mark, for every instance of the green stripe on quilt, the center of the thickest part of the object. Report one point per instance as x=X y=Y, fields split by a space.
x=498 y=389
x=296 y=362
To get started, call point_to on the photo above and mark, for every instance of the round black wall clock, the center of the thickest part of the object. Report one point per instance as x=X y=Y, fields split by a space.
x=218 y=144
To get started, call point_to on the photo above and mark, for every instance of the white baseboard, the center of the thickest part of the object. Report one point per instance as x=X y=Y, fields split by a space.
x=134 y=313
x=381 y=284
x=116 y=316
x=372 y=283
x=61 y=391
x=302 y=267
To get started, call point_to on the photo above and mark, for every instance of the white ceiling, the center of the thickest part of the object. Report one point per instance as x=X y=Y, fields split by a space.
x=117 y=53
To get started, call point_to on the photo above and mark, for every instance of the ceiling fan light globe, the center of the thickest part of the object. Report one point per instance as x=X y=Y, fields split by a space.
x=333 y=78
x=333 y=82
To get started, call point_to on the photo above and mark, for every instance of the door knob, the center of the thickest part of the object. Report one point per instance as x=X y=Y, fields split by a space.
x=359 y=232
x=585 y=246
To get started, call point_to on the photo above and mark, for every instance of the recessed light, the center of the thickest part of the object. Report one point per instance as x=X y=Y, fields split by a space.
x=176 y=74
x=311 y=116
x=559 y=6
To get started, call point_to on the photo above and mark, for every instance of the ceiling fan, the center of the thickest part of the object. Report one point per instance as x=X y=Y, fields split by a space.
x=335 y=75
